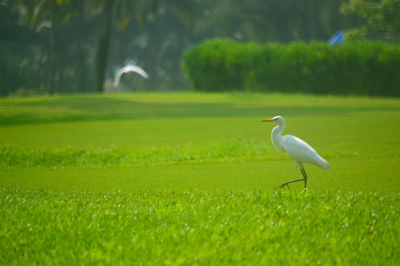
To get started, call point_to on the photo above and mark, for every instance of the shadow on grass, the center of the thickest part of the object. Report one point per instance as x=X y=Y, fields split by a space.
x=102 y=109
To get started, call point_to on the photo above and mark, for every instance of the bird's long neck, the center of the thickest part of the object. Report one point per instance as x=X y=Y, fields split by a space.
x=277 y=138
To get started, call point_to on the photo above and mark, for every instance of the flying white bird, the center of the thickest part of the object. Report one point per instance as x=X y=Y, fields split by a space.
x=129 y=68
x=296 y=148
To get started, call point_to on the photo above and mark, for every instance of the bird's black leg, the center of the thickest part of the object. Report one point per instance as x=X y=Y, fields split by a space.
x=297 y=180
x=305 y=177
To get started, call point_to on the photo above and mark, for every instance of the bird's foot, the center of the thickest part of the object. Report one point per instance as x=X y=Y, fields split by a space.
x=283 y=185
x=288 y=182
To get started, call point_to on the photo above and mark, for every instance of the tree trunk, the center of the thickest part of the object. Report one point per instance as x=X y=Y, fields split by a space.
x=80 y=62
x=53 y=54
x=102 y=52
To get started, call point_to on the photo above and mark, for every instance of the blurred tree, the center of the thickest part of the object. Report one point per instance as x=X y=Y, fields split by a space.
x=122 y=12
x=51 y=13
x=270 y=20
x=102 y=51
x=79 y=42
x=155 y=39
x=382 y=16
x=79 y=7
x=14 y=53
x=68 y=46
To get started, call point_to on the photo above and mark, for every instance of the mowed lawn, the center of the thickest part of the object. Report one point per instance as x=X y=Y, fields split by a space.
x=190 y=179
x=358 y=136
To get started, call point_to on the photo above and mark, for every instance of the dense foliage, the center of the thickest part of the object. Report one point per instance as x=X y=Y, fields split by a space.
x=51 y=46
x=369 y=68
x=379 y=15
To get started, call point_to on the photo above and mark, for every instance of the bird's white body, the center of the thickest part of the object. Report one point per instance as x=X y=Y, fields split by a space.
x=129 y=68
x=296 y=148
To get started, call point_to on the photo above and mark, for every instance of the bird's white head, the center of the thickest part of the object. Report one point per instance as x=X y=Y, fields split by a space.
x=277 y=120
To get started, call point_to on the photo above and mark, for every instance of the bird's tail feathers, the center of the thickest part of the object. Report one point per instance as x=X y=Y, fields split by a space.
x=324 y=164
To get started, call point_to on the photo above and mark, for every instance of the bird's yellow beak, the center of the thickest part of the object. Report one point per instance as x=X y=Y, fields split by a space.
x=267 y=120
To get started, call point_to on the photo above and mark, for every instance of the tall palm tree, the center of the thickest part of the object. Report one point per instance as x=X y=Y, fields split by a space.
x=80 y=6
x=102 y=52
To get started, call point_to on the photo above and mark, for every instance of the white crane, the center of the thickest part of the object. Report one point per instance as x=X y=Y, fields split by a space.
x=296 y=148
x=129 y=68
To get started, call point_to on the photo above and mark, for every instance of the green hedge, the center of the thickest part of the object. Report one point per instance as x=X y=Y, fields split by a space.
x=368 y=68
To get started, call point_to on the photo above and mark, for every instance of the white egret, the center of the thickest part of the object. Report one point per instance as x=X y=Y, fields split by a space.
x=129 y=68
x=296 y=148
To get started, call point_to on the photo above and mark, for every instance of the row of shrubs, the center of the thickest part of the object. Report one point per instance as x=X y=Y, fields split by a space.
x=357 y=68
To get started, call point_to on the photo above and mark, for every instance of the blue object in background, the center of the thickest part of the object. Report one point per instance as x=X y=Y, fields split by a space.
x=338 y=37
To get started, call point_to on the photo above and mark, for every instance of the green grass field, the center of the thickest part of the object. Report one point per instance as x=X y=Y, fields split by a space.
x=187 y=178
